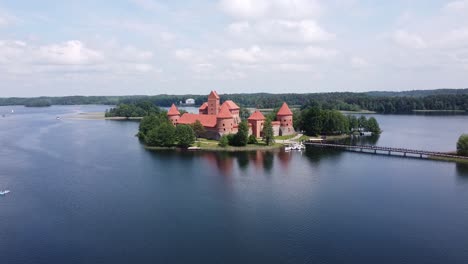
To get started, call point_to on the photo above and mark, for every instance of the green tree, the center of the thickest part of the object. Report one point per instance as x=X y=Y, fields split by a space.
x=184 y=136
x=241 y=137
x=268 y=135
x=353 y=123
x=244 y=113
x=373 y=126
x=462 y=145
x=146 y=124
x=252 y=140
x=198 y=128
x=362 y=122
x=161 y=136
x=312 y=121
x=223 y=141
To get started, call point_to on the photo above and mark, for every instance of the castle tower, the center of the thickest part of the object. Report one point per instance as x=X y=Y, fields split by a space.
x=225 y=121
x=173 y=114
x=213 y=103
x=257 y=119
x=285 y=117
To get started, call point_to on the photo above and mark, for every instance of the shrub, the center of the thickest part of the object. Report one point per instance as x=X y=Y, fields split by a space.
x=462 y=145
x=252 y=140
x=223 y=141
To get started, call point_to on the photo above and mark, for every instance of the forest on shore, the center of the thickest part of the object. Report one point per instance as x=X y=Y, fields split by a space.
x=380 y=102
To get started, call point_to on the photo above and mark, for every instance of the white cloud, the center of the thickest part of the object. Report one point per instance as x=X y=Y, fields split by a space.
x=184 y=54
x=457 y=5
x=71 y=57
x=359 y=63
x=251 y=55
x=281 y=31
x=455 y=38
x=408 y=40
x=258 y=9
x=70 y=52
x=239 y=28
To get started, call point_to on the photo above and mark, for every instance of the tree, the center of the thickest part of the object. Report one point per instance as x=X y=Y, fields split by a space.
x=185 y=136
x=312 y=120
x=362 y=122
x=268 y=135
x=161 y=136
x=240 y=138
x=462 y=145
x=223 y=141
x=373 y=126
x=252 y=139
x=146 y=124
x=244 y=113
x=353 y=123
x=198 y=128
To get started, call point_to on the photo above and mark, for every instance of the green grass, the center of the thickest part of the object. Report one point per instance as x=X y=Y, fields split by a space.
x=303 y=138
x=284 y=137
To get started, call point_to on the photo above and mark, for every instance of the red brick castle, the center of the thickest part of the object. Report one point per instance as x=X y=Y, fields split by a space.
x=224 y=119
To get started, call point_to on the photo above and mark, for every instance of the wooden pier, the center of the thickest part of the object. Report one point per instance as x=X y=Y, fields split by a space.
x=402 y=152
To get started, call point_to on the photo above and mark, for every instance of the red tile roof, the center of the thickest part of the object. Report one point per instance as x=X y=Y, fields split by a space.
x=284 y=110
x=257 y=115
x=213 y=94
x=173 y=111
x=231 y=105
x=224 y=112
x=203 y=106
x=205 y=120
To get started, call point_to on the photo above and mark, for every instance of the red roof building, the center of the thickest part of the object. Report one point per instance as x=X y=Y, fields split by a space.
x=208 y=121
x=173 y=111
x=284 y=110
x=224 y=119
x=257 y=115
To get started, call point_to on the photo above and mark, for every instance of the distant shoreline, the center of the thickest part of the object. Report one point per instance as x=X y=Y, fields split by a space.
x=98 y=116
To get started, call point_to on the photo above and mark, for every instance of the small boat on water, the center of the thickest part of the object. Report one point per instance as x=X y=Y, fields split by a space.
x=12 y=111
x=5 y=192
x=58 y=118
x=295 y=146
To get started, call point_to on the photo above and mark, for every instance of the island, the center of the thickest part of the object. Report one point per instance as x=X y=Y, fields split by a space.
x=223 y=127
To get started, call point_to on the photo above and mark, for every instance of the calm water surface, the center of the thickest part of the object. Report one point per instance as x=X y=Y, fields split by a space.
x=85 y=191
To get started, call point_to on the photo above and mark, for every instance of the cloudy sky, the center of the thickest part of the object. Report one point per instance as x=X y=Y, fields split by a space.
x=120 y=47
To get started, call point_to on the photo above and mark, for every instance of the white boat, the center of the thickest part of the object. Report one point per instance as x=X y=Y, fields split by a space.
x=12 y=111
x=4 y=192
x=58 y=117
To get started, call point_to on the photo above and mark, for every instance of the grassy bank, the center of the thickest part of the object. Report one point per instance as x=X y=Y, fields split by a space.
x=212 y=145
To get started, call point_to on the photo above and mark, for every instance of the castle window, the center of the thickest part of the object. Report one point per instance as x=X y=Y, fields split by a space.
x=223 y=124
x=224 y=129
x=284 y=120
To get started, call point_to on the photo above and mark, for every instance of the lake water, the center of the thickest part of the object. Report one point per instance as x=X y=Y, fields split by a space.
x=85 y=191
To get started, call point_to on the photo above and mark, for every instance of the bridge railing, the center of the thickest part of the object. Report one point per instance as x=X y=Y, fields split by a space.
x=389 y=149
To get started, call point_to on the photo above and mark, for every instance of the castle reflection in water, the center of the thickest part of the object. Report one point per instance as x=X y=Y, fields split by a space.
x=225 y=162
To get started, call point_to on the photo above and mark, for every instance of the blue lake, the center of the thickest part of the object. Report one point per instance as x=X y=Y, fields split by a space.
x=86 y=191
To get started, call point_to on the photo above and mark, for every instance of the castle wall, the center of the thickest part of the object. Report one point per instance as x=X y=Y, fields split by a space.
x=276 y=130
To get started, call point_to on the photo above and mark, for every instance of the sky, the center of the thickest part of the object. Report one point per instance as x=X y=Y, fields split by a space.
x=147 y=47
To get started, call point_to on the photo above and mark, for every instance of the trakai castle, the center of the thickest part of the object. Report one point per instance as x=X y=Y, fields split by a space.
x=221 y=119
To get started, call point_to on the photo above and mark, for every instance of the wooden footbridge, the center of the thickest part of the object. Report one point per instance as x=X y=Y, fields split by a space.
x=403 y=152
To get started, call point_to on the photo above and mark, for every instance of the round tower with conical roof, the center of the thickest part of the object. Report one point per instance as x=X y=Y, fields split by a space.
x=173 y=114
x=285 y=117
x=225 y=121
